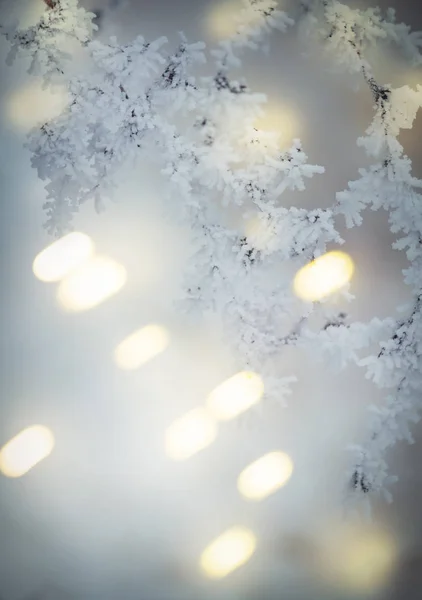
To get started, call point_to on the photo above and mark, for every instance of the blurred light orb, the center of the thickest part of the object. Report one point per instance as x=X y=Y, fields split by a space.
x=191 y=433
x=280 y=120
x=31 y=105
x=30 y=14
x=259 y=232
x=25 y=450
x=92 y=283
x=360 y=560
x=228 y=552
x=141 y=346
x=61 y=257
x=235 y=395
x=265 y=476
x=323 y=276
x=222 y=19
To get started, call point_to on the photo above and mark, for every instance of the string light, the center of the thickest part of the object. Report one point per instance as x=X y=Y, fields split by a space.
x=323 y=276
x=31 y=105
x=259 y=232
x=61 y=257
x=222 y=19
x=235 y=395
x=282 y=121
x=360 y=560
x=141 y=346
x=91 y=284
x=25 y=450
x=228 y=552
x=191 y=433
x=265 y=476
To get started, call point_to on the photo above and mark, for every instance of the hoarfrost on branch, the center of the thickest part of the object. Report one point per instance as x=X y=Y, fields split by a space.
x=129 y=100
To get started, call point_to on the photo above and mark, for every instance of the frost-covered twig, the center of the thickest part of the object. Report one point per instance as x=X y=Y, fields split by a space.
x=130 y=104
x=43 y=43
x=389 y=184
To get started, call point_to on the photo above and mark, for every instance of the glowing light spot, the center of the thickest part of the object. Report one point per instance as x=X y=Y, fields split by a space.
x=265 y=476
x=323 y=276
x=141 y=346
x=92 y=283
x=281 y=121
x=259 y=232
x=31 y=14
x=62 y=256
x=25 y=450
x=223 y=19
x=235 y=395
x=191 y=433
x=254 y=138
x=31 y=105
x=228 y=552
x=360 y=560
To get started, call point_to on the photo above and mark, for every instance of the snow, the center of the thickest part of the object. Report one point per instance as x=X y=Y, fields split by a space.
x=126 y=105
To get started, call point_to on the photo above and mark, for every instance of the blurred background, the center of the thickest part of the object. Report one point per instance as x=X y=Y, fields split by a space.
x=129 y=497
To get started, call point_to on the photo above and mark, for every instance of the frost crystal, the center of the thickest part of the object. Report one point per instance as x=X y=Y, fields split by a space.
x=128 y=105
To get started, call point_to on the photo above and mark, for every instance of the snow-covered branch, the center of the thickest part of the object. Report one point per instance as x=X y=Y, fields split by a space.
x=137 y=102
x=388 y=184
x=43 y=43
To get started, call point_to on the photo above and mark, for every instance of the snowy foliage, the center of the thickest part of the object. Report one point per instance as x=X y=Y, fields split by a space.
x=44 y=42
x=133 y=98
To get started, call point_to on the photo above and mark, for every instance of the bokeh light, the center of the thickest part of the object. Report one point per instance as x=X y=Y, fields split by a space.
x=141 y=346
x=235 y=395
x=323 y=276
x=259 y=232
x=189 y=434
x=32 y=105
x=228 y=552
x=280 y=120
x=358 y=559
x=25 y=450
x=222 y=19
x=254 y=137
x=60 y=258
x=91 y=284
x=265 y=476
x=30 y=13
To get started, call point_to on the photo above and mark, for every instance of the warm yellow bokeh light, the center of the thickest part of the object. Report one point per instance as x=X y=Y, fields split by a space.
x=223 y=19
x=264 y=476
x=191 y=433
x=235 y=395
x=25 y=450
x=30 y=13
x=281 y=121
x=360 y=560
x=141 y=346
x=228 y=552
x=268 y=134
x=61 y=257
x=32 y=105
x=90 y=284
x=259 y=233
x=323 y=276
